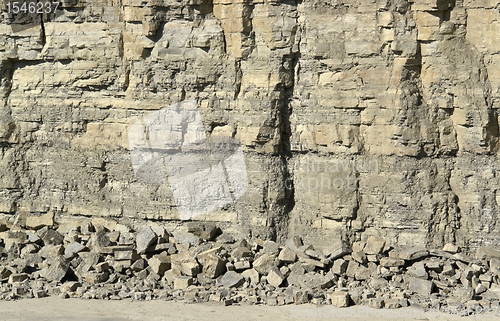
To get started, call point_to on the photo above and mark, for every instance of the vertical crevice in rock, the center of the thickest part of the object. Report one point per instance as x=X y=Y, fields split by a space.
x=224 y=41
x=287 y=78
x=7 y=125
x=121 y=49
x=248 y=40
x=42 y=30
x=238 y=76
x=126 y=82
x=475 y=119
x=289 y=72
x=9 y=166
x=285 y=153
x=407 y=64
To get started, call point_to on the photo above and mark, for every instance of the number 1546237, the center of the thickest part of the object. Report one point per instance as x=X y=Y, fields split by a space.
x=32 y=7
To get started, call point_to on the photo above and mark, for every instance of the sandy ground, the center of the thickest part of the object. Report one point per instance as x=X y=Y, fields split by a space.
x=97 y=310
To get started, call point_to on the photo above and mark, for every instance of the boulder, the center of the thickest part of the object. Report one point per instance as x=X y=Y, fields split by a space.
x=339 y=299
x=58 y=269
x=144 y=239
x=182 y=282
x=37 y=222
x=374 y=245
x=231 y=279
x=186 y=263
x=264 y=263
x=339 y=266
x=287 y=255
x=160 y=263
x=337 y=250
x=409 y=253
x=420 y=286
x=213 y=265
x=274 y=277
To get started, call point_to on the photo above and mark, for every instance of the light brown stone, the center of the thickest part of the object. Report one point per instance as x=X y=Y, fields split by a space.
x=37 y=222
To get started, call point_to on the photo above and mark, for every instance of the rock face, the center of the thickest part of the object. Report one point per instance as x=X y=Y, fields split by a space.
x=353 y=116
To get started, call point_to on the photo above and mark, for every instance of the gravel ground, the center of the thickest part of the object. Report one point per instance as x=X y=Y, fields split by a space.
x=99 y=310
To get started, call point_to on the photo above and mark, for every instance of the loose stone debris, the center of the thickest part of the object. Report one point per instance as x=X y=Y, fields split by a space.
x=110 y=261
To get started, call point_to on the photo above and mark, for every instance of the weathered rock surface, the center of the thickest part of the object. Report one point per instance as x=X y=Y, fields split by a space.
x=145 y=238
x=36 y=222
x=354 y=117
x=231 y=279
x=339 y=299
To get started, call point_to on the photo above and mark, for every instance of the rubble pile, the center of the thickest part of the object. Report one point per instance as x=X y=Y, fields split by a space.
x=110 y=261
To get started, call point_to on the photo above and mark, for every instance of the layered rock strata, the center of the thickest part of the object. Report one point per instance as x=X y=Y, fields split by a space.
x=356 y=118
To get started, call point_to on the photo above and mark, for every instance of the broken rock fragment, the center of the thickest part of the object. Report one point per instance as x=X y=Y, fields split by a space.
x=231 y=279
x=185 y=263
x=213 y=265
x=374 y=245
x=275 y=277
x=58 y=269
x=160 y=263
x=287 y=255
x=264 y=263
x=420 y=286
x=182 y=282
x=409 y=253
x=37 y=222
x=144 y=239
x=338 y=249
x=339 y=299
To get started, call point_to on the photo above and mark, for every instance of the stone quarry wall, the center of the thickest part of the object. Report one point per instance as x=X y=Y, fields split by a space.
x=357 y=118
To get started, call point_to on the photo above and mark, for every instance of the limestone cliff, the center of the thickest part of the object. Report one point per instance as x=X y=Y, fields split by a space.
x=357 y=118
